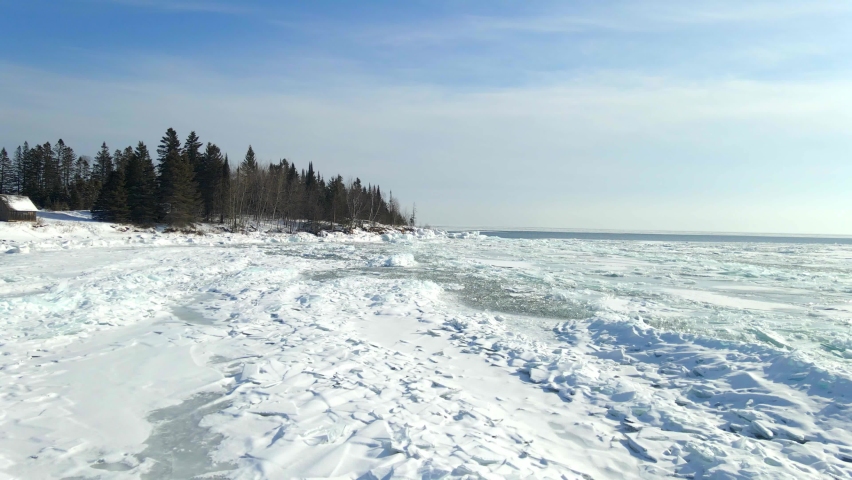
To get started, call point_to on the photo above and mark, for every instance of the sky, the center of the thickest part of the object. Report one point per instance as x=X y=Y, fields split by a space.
x=722 y=116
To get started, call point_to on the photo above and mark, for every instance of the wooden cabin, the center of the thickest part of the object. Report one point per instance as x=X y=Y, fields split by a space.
x=15 y=208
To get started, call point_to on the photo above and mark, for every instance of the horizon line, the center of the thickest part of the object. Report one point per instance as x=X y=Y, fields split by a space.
x=636 y=232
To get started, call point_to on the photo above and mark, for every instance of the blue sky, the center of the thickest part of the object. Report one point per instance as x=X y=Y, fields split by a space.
x=641 y=115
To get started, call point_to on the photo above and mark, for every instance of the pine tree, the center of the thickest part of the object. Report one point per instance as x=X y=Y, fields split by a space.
x=168 y=153
x=67 y=159
x=7 y=180
x=192 y=153
x=121 y=157
x=168 y=144
x=18 y=167
x=180 y=196
x=141 y=184
x=310 y=177
x=209 y=178
x=225 y=191
x=32 y=171
x=62 y=179
x=80 y=196
x=249 y=162
x=49 y=175
x=111 y=205
x=103 y=165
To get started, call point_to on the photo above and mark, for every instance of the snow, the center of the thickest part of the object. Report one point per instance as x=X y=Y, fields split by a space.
x=143 y=354
x=19 y=203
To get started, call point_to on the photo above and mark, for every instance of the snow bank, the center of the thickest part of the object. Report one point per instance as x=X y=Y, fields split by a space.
x=76 y=229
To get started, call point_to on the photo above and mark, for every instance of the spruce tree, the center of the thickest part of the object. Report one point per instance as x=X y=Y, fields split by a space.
x=67 y=159
x=192 y=152
x=208 y=177
x=249 y=162
x=103 y=165
x=80 y=197
x=141 y=187
x=310 y=177
x=32 y=170
x=121 y=157
x=111 y=205
x=180 y=196
x=168 y=144
x=168 y=153
x=18 y=167
x=6 y=173
x=225 y=190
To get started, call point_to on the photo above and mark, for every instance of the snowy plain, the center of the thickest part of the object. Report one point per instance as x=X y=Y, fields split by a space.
x=142 y=354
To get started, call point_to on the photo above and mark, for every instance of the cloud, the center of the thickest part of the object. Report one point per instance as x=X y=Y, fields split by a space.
x=633 y=17
x=654 y=144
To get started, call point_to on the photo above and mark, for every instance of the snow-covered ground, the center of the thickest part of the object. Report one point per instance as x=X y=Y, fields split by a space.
x=141 y=354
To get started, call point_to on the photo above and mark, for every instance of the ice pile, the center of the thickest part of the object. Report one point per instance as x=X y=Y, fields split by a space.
x=395 y=260
x=689 y=406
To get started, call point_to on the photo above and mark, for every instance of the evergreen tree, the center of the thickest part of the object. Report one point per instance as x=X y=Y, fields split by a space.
x=225 y=191
x=180 y=197
x=67 y=159
x=49 y=184
x=169 y=155
x=209 y=179
x=32 y=172
x=310 y=177
x=168 y=144
x=103 y=165
x=81 y=194
x=249 y=163
x=188 y=183
x=121 y=157
x=18 y=167
x=111 y=205
x=7 y=180
x=192 y=153
x=336 y=199
x=141 y=184
x=51 y=178
x=82 y=168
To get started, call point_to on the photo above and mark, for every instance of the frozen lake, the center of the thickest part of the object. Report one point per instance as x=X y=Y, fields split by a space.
x=789 y=295
x=147 y=355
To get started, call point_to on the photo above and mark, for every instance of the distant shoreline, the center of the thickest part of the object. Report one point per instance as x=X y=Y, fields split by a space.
x=698 y=237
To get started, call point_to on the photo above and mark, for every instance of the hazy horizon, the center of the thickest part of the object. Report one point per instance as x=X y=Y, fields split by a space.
x=630 y=116
x=493 y=228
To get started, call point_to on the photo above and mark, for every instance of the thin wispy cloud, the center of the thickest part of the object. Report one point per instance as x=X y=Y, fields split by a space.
x=641 y=17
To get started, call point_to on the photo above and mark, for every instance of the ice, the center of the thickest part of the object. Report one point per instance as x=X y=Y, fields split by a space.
x=142 y=354
x=396 y=260
x=179 y=447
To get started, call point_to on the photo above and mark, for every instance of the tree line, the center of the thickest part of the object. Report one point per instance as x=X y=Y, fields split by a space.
x=191 y=182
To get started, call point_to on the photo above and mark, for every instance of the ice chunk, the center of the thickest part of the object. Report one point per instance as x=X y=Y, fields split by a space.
x=539 y=375
x=396 y=260
x=249 y=370
x=761 y=429
x=640 y=449
x=22 y=249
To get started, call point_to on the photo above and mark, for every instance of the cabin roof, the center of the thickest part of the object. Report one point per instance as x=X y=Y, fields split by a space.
x=18 y=203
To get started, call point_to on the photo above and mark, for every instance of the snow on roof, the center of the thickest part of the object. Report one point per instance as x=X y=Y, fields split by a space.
x=19 y=203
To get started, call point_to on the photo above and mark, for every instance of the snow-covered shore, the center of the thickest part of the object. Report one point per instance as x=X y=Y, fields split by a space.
x=161 y=355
